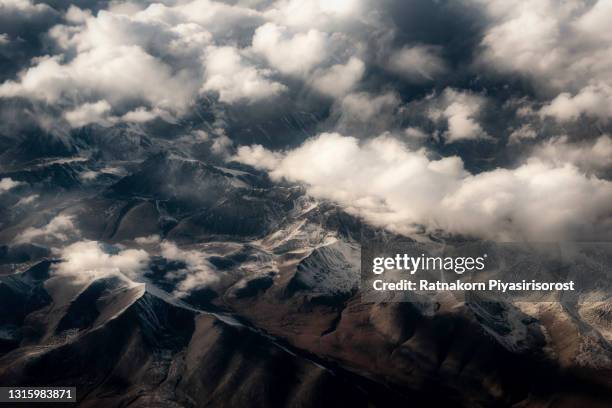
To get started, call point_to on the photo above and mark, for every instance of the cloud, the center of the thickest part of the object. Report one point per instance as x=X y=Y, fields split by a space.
x=418 y=63
x=25 y=7
x=27 y=200
x=118 y=75
x=590 y=156
x=220 y=18
x=407 y=189
x=592 y=100
x=221 y=145
x=87 y=113
x=528 y=37
x=293 y=54
x=415 y=134
x=24 y=17
x=258 y=156
x=322 y=14
x=459 y=110
x=364 y=107
x=89 y=175
x=144 y=64
x=89 y=260
x=60 y=228
x=523 y=37
x=563 y=47
x=100 y=113
x=525 y=132
x=300 y=67
x=141 y=115
x=235 y=79
x=197 y=273
x=311 y=55
x=363 y=113
x=137 y=62
x=148 y=240
x=339 y=79
x=7 y=184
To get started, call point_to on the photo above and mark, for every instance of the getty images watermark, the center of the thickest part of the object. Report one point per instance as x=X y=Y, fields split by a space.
x=401 y=270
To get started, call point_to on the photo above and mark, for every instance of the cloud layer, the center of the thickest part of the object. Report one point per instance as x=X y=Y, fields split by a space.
x=482 y=117
x=406 y=190
x=133 y=63
x=564 y=46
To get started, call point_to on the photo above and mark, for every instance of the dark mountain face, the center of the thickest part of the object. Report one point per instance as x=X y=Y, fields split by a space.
x=120 y=344
x=211 y=285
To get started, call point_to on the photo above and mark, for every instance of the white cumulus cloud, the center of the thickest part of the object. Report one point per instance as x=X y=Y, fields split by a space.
x=235 y=79
x=591 y=156
x=7 y=184
x=393 y=186
x=460 y=111
x=60 y=228
x=564 y=47
x=85 y=261
x=294 y=54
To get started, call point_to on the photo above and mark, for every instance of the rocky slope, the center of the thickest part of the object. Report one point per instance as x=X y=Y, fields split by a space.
x=248 y=295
